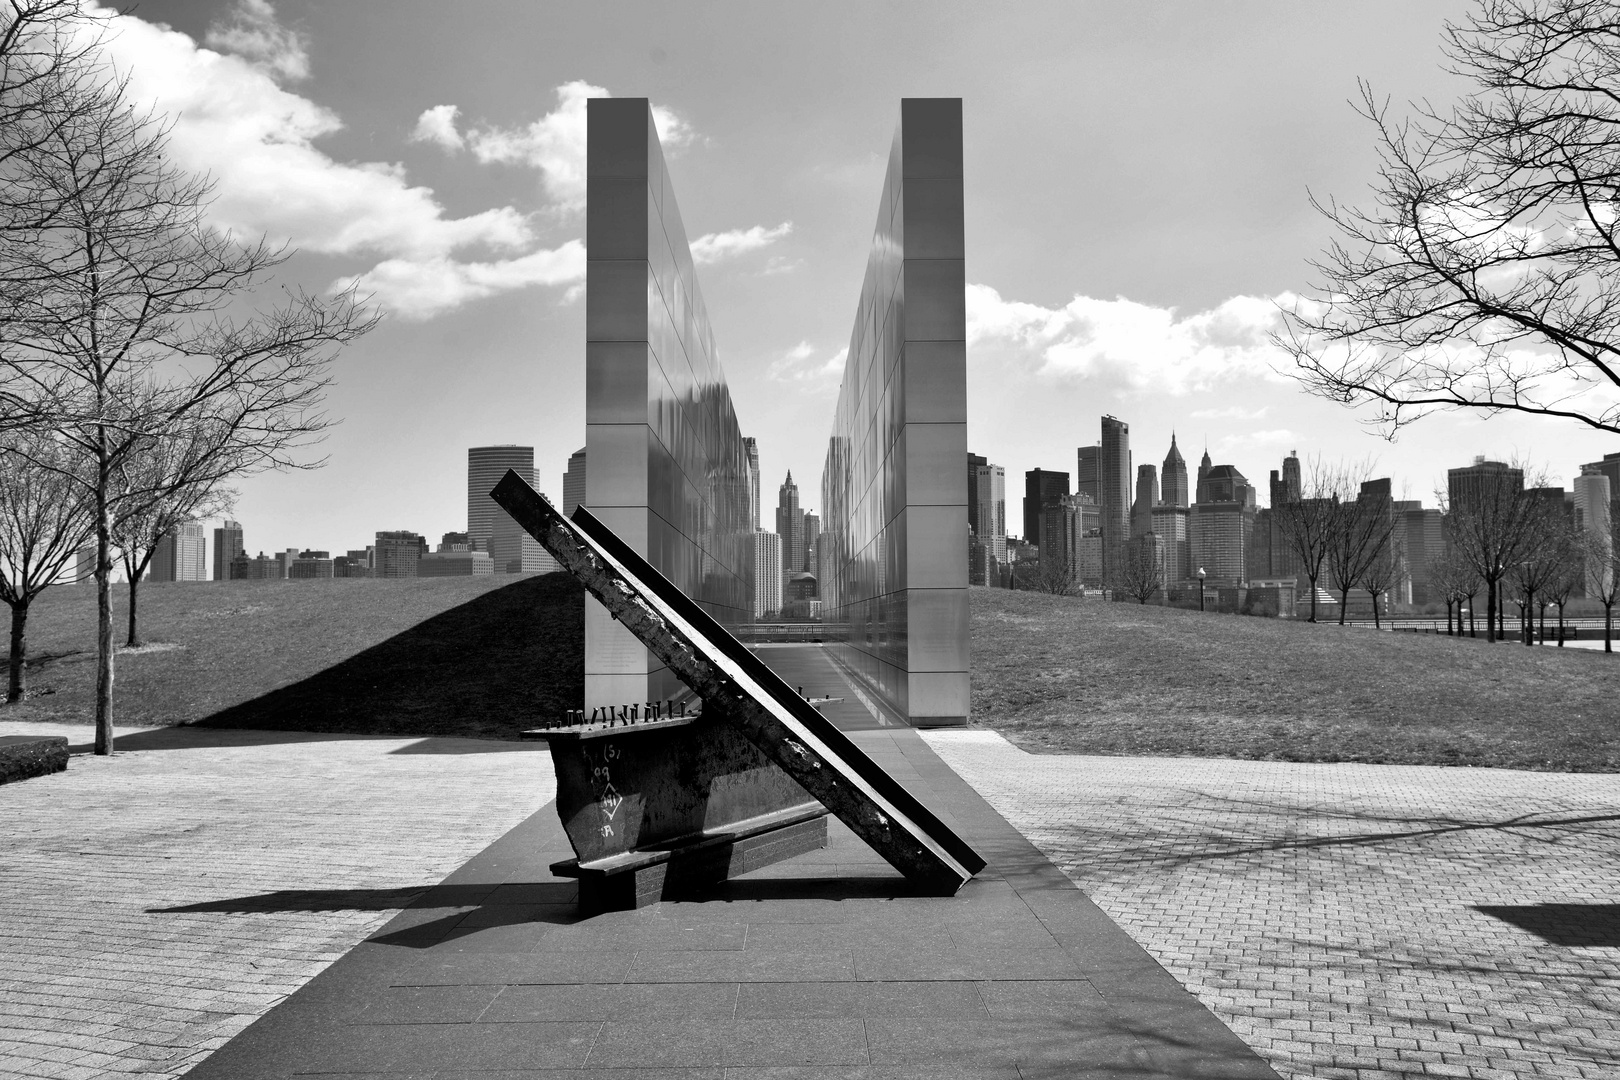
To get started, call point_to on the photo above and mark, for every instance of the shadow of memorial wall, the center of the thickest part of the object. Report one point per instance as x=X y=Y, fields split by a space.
x=667 y=468
x=893 y=489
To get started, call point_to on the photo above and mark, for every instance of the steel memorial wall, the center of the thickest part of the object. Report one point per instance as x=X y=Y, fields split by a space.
x=667 y=466
x=893 y=494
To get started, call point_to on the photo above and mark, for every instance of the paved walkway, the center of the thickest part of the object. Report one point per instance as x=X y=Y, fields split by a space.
x=1348 y=920
x=155 y=903
x=825 y=966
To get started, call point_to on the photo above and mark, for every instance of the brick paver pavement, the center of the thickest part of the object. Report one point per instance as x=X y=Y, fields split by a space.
x=288 y=850
x=1332 y=914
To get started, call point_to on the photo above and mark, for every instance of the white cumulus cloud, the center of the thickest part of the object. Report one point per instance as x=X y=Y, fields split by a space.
x=251 y=31
x=438 y=125
x=258 y=141
x=554 y=144
x=713 y=247
x=800 y=366
x=1137 y=346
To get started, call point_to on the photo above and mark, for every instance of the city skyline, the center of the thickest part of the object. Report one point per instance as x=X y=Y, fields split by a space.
x=1095 y=285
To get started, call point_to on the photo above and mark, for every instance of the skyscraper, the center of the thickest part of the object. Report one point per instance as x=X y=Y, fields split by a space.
x=812 y=533
x=790 y=527
x=489 y=527
x=399 y=552
x=1480 y=482
x=1173 y=481
x=1114 y=492
x=181 y=555
x=1219 y=526
x=1043 y=491
x=768 y=576
x=574 y=482
x=1085 y=476
x=751 y=447
x=1593 y=493
x=973 y=463
x=1147 y=497
x=992 y=524
x=227 y=546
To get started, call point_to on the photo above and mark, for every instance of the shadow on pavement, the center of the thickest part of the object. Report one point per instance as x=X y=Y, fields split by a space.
x=190 y=737
x=1571 y=925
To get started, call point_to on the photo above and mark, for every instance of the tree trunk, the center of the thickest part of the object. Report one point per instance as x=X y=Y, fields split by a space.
x=1376 y=624
x=1344 y=605
x=134 y=636
x=18 y=687
x=1560 y=626
x=1490 y=611
x=1472 y=629
x=1608 y=626
x=104 y=627
x=1313 y=599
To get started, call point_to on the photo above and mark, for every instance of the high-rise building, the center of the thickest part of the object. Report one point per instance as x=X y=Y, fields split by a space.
x=1610 y=467
x=768 y=576
x=991 y=527
x=1471 y=485
x=398 y=553
x=455 y=541
x=574 y=482
x=1147 y=497
x=790 y=527
x=1593 y=519
x=973 y=463
x=1170 y=526
x=1065 y=525
x=1173 y=479
x=181 y=555
x=227 y=546
x=311 y=566
x=1220 y=524
x=1114 y=491
x=812 y=534
x=751 y=448
x=1421 y=535
x=1085 y=476
x=491 y=529
x=1044 y=490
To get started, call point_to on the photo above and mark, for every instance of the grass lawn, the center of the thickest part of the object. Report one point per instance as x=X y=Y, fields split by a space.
x=1070 y=675
x=485 y=656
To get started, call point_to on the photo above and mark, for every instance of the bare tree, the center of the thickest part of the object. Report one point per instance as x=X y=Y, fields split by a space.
x=1487 y=275
x=1360 y=541
x=1308 y=523
x=170 y=482
x=1458 y=584
x=1141 y=572
x=1601 y=556
x=1382 y=573
x=1496 y=530
x=1048 y=576
x=1566 y=582
x=124 y=336
x=44 y=521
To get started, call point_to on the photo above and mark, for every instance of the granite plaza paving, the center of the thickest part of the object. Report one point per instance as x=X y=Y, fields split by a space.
x=1331 y=916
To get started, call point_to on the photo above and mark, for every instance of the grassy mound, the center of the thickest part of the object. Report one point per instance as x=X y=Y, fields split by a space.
x=1069 y=675
x=434 y=656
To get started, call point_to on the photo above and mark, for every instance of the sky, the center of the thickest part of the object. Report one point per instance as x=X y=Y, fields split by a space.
x=1138 y=181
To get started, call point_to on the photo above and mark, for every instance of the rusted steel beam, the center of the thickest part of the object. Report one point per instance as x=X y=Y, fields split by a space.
x=737 y=685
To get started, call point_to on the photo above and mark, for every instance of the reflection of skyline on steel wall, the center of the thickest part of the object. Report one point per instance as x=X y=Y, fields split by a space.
x=668 y=470
x=893 y=491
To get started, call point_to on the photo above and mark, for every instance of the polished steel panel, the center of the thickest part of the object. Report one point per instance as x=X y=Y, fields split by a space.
x=615 y=300
x=893 y=488
x=616 y=390
x=613 y=228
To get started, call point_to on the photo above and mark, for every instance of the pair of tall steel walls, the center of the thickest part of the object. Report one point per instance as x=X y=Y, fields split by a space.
x=893 y=489
x=668 y=468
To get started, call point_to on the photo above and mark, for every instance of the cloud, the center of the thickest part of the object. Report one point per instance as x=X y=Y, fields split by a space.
x=421 y=289
x=1256 y=439
x=257 y=140
x=553 y=144
x=713 y=247
x=1235 y=412
x=1137 y=346
x=438 y=125
x=250 y=30
x=799 y=367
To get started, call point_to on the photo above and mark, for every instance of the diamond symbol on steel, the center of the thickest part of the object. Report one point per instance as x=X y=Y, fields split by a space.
x=611 y=799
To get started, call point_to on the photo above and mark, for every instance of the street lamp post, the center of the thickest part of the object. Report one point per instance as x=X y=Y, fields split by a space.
x=1200 y=588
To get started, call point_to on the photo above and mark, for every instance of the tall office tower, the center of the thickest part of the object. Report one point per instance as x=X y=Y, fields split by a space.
x=790 y=527
x=455 y=541
x=574 y=482
x=1220 y=524
x=1085 y=476
x=812 y=533
x=1170 y=524
x=1610 y=467
x=1293 y=487
x=1044 y=490
x=751 y=448
x=491 y=529
x=1593 y=518
x=227 y=546
x=398 y=553
x=1204 y=465
x=1114 y=492
x=1422 y=537
x=1173 y=479
x=1147 y=497
x=768 y=575
x=181 y=555
x=1065 y=523
x=973 y=463
x=1480 y=483
x=991 y=528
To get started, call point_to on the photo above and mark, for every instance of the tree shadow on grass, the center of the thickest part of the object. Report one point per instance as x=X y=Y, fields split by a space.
x=490 y=668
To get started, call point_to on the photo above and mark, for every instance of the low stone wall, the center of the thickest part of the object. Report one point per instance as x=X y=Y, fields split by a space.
x=23 y=756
